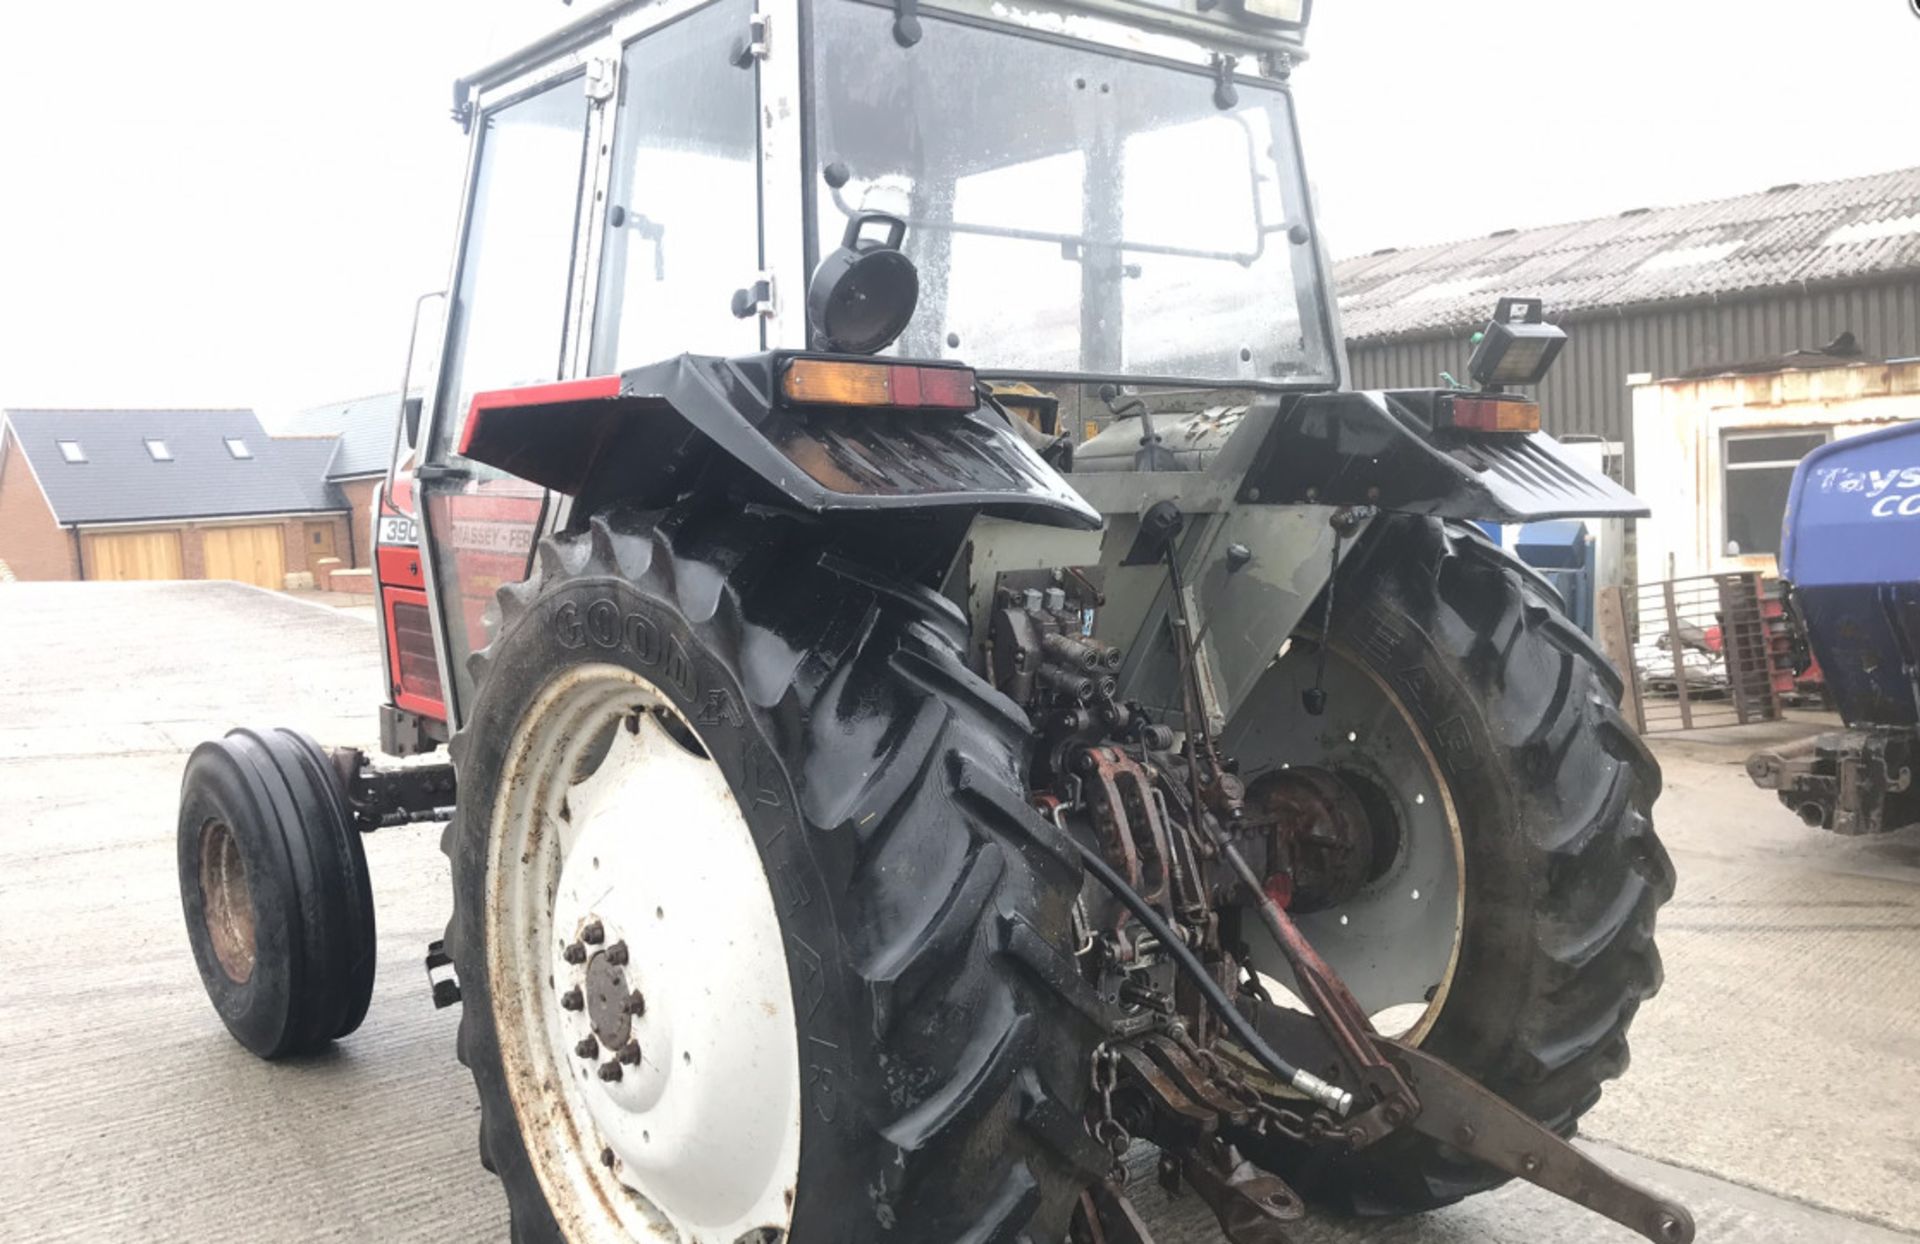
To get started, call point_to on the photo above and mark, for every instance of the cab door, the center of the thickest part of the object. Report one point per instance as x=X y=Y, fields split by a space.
x=511 y=321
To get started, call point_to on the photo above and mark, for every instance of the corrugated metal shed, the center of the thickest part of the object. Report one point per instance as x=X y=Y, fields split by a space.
x=1813 y=262
x=120 y=480
x=1838 y=231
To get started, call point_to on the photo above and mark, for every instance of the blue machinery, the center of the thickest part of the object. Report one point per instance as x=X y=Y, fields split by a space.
x=1851 y=558
x=1562 y=551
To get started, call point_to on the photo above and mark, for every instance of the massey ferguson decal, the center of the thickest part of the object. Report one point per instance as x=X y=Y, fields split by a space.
x=490 y=534
x=478 y=536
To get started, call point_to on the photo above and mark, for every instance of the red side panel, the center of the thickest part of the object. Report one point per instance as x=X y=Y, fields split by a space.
x=412 y=665
x=399 y=566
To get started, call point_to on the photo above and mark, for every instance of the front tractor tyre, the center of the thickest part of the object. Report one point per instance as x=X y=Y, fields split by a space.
x=274 y=886
x=750 y=913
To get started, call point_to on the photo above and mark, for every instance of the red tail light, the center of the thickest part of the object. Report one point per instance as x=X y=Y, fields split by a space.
x=841 y=382
x=1492 y=414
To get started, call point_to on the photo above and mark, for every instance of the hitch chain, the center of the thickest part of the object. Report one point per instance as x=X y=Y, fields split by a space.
x=1107 y=1130
x=1289 y=1123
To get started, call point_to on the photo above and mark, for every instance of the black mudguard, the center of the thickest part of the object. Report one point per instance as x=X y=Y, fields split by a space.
x=1388 y=449
x=642 y=436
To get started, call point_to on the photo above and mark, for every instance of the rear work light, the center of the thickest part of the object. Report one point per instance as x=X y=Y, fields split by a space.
x=1492 y=414
x=837 y=382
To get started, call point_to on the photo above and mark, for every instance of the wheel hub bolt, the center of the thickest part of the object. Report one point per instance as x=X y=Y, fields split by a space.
x=630 y=1053
x=594 y=933
x=610 y=1071
x=617 y=954
x=573 y=1000
x=576 y=953
x=588 y=1047
x=636 y=1004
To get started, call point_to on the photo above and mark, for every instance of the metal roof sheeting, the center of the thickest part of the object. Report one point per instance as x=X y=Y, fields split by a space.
x=121 y=482
x=1587 y=390
x=1836 y=231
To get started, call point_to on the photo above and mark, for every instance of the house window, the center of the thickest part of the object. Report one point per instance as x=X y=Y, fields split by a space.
x=1756 y=474
x=238 y=448
x=158 y=451
x=71 y=451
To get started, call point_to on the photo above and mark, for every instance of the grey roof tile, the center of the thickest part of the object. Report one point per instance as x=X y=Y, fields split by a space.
x=365 y=428
x=306 y=459
x=120 y=481
x=1827 y=231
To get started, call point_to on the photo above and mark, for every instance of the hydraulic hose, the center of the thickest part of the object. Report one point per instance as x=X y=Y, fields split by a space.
x=1331 y=1096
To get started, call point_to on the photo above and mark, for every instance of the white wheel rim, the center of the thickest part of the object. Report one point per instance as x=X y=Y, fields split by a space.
x=604 y=817
x=1396 y=943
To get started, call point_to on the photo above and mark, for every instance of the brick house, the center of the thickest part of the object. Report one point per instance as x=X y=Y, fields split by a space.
x=164 y=494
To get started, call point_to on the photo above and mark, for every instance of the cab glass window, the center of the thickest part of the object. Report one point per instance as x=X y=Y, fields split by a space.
x=683 y=210
x=509 y=316
x=510 y=303
x=1074 y=209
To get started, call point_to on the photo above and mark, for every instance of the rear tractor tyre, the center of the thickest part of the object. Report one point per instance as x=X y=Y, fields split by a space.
x=274 y=886
x=1484 y=729
x=750 y=914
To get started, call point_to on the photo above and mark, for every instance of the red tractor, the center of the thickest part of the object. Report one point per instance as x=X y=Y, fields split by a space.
x=879 y=811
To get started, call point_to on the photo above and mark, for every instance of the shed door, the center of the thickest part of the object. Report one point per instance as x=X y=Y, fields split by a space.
x=245 y=554
x=133 y=555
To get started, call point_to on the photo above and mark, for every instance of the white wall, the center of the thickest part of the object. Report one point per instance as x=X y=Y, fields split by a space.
x=1678 y=426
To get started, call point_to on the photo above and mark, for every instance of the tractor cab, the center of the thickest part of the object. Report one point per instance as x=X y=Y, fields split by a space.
x=1088 y=194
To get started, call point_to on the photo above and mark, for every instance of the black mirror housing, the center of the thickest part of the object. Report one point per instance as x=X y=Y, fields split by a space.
x=411 y=405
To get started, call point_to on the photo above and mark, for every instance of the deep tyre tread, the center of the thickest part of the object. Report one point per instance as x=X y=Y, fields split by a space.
x=1564 y=873
x=308 y=891
x=937 y=1124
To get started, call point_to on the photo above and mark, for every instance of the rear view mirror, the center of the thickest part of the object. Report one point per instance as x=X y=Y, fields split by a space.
x=423 y=365
x=423 y=362
x=410 y=409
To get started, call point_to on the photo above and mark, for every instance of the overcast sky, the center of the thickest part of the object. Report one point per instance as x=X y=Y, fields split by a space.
x=203 y=202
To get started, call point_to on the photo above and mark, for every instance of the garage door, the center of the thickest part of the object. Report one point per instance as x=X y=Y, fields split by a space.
x=133 y=555
x=249 y=554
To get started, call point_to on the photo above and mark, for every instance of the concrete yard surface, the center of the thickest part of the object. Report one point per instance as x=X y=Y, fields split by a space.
x=1775 y=1086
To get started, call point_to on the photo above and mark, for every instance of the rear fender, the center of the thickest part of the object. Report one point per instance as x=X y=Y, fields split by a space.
x=1389 y=449
x=644 y=436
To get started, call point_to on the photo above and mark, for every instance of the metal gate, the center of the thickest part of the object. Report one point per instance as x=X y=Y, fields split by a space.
x=1697 y=651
